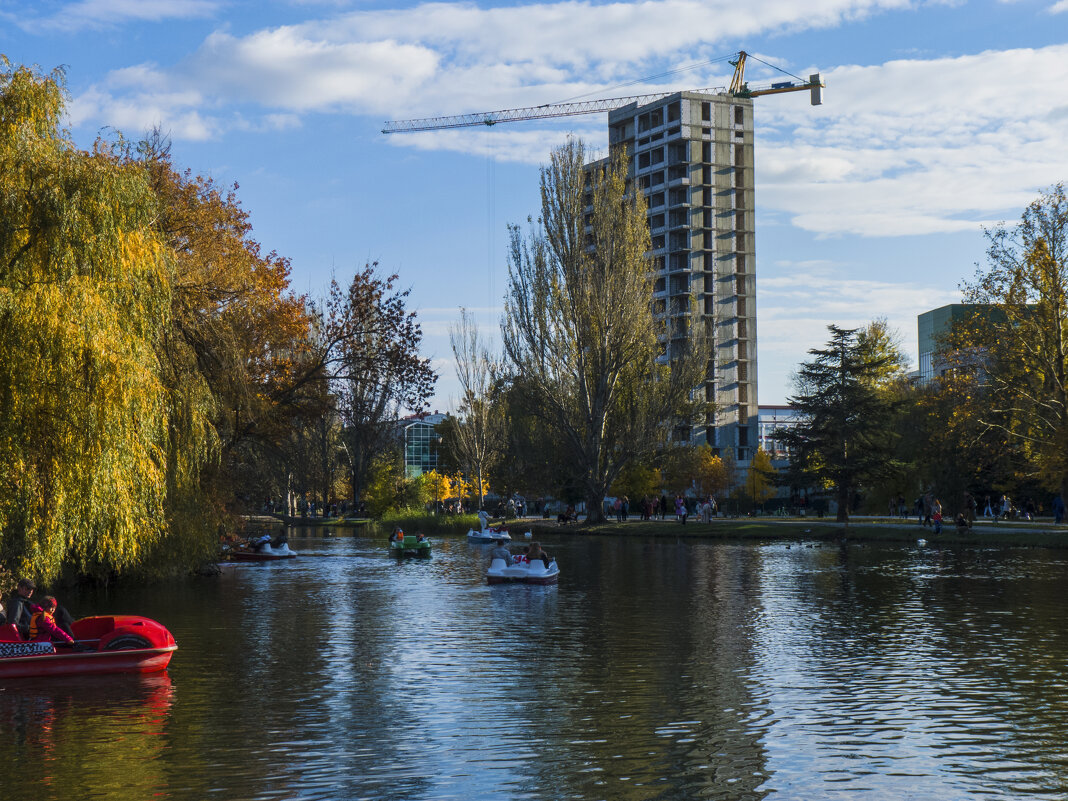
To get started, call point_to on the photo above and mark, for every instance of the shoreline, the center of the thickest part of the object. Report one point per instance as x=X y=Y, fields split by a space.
x=861 y=529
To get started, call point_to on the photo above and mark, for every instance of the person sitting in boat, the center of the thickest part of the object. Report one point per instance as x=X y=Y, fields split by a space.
x=500 y=552
x=20 y=608
x=43 y=627
x=398 y=535
x=257 y=543
x=535 y=552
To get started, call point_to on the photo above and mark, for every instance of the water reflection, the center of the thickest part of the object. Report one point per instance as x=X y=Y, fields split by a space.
x=42 y=721
x=655 y=670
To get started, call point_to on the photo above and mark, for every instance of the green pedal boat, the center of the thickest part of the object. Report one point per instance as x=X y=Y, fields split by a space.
x=401 y=545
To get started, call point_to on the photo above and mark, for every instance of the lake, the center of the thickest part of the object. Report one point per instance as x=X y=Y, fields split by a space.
x=656 y=669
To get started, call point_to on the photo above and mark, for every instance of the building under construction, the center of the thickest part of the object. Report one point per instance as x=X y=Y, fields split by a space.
x=692 y=154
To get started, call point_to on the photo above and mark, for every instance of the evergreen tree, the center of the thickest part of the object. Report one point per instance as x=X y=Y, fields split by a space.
x=846 y=434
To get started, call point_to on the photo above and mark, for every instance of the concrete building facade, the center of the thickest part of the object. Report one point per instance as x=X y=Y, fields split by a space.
x=692 y=155
x=932 y=326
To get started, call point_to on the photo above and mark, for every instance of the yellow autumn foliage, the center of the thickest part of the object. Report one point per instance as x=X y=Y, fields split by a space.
x=84 y=300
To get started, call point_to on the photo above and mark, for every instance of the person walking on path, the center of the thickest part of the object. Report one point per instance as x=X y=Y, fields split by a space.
x=680 y=509
x=969 y=507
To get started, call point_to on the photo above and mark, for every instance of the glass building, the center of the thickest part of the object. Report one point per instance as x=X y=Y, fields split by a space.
x=421 y=443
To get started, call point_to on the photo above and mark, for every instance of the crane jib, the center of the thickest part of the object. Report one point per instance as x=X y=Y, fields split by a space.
x=549 y=110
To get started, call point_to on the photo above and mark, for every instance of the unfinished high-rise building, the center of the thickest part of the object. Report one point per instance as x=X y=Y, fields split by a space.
x=692 y=155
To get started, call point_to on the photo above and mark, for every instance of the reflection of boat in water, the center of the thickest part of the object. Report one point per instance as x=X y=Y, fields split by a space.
x=263 y=549
x=409 y=545
x=112 y=644
x=532 y=572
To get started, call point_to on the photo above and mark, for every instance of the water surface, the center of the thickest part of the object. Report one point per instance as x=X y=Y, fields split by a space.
x=657 y=669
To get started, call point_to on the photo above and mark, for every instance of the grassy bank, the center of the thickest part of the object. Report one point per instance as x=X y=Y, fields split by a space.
x=823 y=529
x=414 y=522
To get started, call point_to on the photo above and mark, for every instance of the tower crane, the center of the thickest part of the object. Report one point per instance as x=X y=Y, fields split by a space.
x=738 y=88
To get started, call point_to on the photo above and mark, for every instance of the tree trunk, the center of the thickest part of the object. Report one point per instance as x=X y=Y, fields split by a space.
x=595 y=507
x=843 y=505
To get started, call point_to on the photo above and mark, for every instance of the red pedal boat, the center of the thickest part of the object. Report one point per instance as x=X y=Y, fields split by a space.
x=115 y=644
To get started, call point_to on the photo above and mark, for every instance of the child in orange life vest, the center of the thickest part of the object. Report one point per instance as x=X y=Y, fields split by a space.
x=43 y=626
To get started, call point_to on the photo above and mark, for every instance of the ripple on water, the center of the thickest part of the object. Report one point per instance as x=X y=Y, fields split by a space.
x=655 y=670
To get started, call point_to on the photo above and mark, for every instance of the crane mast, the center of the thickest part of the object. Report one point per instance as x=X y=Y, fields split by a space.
x=738 y=88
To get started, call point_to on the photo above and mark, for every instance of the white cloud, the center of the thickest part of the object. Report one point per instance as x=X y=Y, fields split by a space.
x=798 y=301
x=1059 y=7
x=912 y=146
x=96 y=14
x=919 y=146
x=445 y=57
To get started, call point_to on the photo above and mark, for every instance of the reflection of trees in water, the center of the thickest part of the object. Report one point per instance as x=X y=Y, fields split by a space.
x=60 y=735
x=945 y=662
x=638 y=687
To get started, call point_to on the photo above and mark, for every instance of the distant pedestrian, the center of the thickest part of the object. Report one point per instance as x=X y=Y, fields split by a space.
x=928 y=508
x=969 y=508
x=1058 y=510
x=680 y=509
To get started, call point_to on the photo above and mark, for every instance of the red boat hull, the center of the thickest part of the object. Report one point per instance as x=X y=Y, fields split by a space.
x=143 y=660
x=124 y=644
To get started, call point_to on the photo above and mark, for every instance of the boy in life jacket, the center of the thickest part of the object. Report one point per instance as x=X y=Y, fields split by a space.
x=43 y=626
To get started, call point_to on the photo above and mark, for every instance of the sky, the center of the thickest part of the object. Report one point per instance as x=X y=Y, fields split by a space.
x=941 y=118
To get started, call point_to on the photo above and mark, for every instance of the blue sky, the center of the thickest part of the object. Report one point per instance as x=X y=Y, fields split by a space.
x=939 y=118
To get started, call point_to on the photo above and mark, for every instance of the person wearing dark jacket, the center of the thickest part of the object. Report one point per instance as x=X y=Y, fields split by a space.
x=19 y=608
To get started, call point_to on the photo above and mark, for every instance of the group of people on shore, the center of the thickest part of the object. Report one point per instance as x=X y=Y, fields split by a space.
x=529 y=554
x=929 y=510
x=652 y=508
x=43 y=622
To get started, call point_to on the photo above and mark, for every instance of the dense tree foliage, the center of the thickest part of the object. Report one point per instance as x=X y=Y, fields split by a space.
x=846 y=434
x=370 y=351
x=157 y=371
x=579 y=325
x=85 y=296
x=1022 y=351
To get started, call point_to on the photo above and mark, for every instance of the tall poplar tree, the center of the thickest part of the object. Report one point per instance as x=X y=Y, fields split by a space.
x=579 y=326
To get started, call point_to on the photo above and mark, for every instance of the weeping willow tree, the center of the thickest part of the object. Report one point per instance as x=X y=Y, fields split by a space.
x=90 y=435
x=579 y=326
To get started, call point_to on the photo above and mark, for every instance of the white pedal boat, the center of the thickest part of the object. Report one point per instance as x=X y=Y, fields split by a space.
x=488 y=535
x=534 y=572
